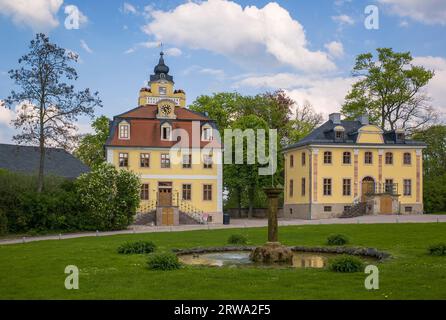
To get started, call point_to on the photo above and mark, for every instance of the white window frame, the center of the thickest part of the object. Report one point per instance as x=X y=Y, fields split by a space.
x=203 y=130
x=121 y=125
x=166 y=125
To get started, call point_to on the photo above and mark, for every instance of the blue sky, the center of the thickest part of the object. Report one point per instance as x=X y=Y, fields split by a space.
x=304 y=47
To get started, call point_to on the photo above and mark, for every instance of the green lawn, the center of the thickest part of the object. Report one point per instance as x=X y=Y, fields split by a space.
x=36 y=270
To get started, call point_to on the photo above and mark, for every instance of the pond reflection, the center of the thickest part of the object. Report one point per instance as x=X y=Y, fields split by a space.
x=241 y=258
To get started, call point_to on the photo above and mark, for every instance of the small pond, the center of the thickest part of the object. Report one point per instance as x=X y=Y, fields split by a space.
x=241 y=258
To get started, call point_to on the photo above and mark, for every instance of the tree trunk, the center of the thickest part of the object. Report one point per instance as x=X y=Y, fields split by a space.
x=251 y=202
x=239 y=202
x=40 y=177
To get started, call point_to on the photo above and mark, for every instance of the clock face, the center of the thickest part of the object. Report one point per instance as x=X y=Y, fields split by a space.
x=165 y=109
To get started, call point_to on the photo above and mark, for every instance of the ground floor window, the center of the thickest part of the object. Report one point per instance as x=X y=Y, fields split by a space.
x=145 y=191
x=327 y=208
x=187 y=191
x=407 y=209
x=327 y=187
x=207 y=192
x=407 y=187
x=346 y=187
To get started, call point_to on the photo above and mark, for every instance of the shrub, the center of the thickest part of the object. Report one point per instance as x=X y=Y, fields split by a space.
x=110 y=197
x=3 y=223
x=345 y=264
x=163 y=261
x=137 y=247
x=337 y=240
x=437 y=249
x=238 y=239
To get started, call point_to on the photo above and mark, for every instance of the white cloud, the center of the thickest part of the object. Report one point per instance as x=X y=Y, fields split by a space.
x=226 y=28
x=129 y=8
x=40 y=15
x=85 y=46
x=325 y=94
x=435 y=87
x=73 y=11
x=173 y=52
x=425 y=11
x=146 y=44
x=343 y=19
x=341 y=2
x=217 y=73
x=335 y=49
x=6 y=115
x=404 y=24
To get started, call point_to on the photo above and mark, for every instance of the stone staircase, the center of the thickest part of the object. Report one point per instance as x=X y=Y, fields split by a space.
x=191 y=213
x=356 y=210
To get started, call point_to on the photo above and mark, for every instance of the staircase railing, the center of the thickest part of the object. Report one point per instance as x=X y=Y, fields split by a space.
x=193 y=212
x=147 y=206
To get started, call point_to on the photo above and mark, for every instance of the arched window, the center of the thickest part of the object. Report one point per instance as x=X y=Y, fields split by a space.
x=166 y=132
x=339 y=133
x=124 y=130
x=206 y=133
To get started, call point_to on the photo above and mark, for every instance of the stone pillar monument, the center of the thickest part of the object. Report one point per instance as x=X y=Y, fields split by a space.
x=272 y=251
x=273 y=201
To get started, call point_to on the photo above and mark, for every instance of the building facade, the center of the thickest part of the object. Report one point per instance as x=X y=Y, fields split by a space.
x=175 y=151
x=345 y=167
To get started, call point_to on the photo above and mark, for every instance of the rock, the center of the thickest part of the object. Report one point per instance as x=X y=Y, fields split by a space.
x=272 y=252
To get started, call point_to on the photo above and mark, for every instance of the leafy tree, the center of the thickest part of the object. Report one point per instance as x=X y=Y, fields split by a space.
x=434 y=166
x=110 y=196
x=434 y=156
x=390 y=91
x=275 y=109
x=49 y=105
x=245 y=177
x=91 y=146
x=305 y=121
x=222 y=107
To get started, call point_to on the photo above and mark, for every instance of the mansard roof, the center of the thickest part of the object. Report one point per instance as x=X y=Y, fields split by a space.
x=325 y=135
x=145 y=127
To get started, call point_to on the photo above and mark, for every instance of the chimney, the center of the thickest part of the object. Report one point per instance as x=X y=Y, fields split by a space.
x=335 y=118
x=364 y=119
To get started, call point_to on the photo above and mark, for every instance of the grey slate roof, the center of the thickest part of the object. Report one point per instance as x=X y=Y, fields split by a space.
x=324 y=134
x=25 y=159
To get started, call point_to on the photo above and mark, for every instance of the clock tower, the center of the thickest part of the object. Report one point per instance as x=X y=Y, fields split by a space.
x=161 y=87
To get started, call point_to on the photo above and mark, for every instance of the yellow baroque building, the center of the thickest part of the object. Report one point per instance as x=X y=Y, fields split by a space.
x=349 y=168
x=174 y=152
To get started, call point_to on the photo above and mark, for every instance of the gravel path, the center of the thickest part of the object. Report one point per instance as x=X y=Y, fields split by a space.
x=238 y=223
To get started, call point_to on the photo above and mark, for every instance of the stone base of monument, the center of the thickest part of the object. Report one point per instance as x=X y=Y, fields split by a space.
x=272 y=252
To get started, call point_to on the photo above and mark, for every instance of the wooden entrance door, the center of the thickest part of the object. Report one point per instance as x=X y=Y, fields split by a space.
x=367 y=187
x=386 y=205
x=165 y=197
x=167 y=217
x=165 y=194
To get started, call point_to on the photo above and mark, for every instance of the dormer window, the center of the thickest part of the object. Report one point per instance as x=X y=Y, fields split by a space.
x=163 y=91
x=166 y=132
x=124 y=130
x=206 y=134
x=400 y=136
x=339 y=133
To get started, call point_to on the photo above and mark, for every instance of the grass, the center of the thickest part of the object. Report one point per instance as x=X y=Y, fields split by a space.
x=36 y=270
